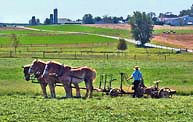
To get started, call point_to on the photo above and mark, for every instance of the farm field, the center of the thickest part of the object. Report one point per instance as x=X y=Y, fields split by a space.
x=181 y=41
x=35 y=108
x=22 y=101
x=122 y=30
x=127 y=26
x=86 y=29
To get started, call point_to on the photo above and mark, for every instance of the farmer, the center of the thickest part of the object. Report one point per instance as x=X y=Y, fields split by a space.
x=138 y=78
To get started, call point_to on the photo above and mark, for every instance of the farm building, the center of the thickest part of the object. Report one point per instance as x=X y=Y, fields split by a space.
x=68 y=21
x=178 y=21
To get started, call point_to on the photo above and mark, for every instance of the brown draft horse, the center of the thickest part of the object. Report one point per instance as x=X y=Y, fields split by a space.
x=43 y=84
x=68 y=75
x=37 y=67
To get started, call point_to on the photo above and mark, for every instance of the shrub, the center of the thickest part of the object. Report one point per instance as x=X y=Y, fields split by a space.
x=122 y=44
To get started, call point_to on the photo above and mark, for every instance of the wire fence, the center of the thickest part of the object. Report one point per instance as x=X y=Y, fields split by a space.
x=92 y=55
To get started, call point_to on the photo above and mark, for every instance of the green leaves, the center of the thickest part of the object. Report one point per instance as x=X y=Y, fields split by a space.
x=141 y=27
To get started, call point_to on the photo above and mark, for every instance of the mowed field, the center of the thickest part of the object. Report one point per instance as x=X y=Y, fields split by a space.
x=22 y=101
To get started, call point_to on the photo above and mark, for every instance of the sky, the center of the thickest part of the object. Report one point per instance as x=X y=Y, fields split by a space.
x=20 y=11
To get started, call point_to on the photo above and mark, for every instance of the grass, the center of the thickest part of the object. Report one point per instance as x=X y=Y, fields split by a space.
x=80 y=28
x=34 y=108
x=56 y=39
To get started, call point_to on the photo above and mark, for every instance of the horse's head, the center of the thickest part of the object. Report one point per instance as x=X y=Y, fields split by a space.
x=25 y=71
x=37 y=67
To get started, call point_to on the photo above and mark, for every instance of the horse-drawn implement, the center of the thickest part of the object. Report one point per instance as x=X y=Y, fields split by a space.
x=142 y=91
x=105 y=87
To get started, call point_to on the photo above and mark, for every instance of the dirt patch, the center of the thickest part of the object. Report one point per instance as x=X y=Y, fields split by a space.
x=157 y=27
x=111 y=26
x=178 y=40
x=127 y=26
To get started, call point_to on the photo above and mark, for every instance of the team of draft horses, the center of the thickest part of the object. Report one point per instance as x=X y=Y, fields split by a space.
x=51 y=72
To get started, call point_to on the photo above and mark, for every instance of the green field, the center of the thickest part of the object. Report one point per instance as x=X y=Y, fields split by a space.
x=22 y=101
x=80 y=28
x=34 y=108
x=57 y=39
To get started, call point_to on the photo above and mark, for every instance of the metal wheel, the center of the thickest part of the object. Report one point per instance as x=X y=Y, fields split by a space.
x=165 y=93
x=114 y=92
x=140 y=92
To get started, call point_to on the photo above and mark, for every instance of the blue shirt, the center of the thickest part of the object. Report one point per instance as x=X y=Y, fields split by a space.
x=137 y=75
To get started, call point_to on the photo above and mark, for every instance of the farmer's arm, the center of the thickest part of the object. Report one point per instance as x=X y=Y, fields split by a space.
x=131 y=77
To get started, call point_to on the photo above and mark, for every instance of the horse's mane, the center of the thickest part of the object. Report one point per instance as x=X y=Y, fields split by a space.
x=38 y=60
x=55 y=62
x=27 y=65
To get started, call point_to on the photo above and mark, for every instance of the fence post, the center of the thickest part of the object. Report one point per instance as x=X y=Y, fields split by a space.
x=10 y=55
x=107 y=56
x=75 y=55
x=165 y=57
x=135 y=57
x=43 y=54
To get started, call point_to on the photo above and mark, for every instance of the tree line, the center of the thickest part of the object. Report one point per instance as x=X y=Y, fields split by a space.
x=89 y=19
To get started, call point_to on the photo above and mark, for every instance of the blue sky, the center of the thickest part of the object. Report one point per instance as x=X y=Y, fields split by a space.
x=20 y=11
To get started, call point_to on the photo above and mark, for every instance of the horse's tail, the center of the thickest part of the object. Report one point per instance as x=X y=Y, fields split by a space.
x=93 y=75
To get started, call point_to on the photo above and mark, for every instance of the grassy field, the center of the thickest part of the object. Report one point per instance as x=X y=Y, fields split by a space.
x=80 y=28
x=34 y=108
x=22 y=101
x=56 y=39
x=18 y=31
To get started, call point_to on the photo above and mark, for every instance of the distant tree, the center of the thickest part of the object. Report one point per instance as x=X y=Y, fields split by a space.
x=15 y=41
x=115 y=20
x=187 y=12
x=128 y=18
x=88 y=19
x=167 y=15
x=151 y=14
x=38 y=21
x=107 y=19
x=97 y=19
x=47 y=21
x=122 y=45
x=141 y=27
x=78 y=20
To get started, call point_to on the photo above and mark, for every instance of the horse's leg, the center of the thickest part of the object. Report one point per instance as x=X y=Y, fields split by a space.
x=52 y=90
x=43 y=86
x=68 y=89
x=89 y=88
x=77 y=90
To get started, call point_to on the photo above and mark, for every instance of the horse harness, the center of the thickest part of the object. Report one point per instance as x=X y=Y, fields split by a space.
x=61 y=72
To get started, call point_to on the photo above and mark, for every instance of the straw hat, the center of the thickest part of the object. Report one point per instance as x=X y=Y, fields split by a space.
x=136 y=68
